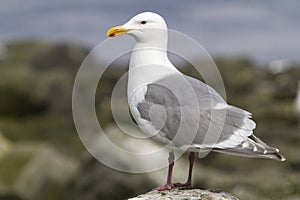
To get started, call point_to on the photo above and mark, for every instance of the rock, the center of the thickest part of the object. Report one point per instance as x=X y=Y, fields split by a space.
x=193 y=194
x=35 y=171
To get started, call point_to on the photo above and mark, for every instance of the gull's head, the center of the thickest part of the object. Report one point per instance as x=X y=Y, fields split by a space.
x=144 y=27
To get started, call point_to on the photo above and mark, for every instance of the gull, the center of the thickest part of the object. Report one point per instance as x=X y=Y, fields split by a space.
x=178 y=110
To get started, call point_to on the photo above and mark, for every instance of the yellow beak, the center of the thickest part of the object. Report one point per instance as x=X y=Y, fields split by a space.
x=115 y=31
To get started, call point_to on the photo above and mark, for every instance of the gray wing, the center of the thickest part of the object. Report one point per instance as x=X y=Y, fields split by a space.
x=190 y=103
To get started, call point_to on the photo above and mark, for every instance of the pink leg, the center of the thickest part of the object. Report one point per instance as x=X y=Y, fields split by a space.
x=191 y=159
x=188 y=183
x=168 y=185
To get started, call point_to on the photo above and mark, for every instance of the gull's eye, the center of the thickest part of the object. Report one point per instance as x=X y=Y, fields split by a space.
x=143 y=22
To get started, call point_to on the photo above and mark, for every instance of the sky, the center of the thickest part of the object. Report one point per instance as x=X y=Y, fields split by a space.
x=260 y=29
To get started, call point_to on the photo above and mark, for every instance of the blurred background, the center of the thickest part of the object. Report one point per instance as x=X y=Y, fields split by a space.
x=255 y=45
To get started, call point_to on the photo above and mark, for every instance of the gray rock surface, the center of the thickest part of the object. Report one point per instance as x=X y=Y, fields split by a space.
x=193 y=194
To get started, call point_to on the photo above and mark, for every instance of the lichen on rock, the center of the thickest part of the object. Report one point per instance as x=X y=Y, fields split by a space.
x=192 y=194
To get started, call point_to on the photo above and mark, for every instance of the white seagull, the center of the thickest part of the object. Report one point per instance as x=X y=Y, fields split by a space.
x=179 y=110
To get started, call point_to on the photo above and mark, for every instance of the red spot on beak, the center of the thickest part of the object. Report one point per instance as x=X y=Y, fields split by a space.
x=112 y=35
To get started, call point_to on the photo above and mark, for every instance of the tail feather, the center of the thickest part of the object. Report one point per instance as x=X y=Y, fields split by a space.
x=253 y=147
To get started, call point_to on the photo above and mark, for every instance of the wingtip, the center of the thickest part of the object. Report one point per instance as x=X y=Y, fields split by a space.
x=282 y=159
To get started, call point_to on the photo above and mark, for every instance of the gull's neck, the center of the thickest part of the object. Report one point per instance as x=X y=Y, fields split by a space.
x=143 y=54
x=148 y=64
x=151 y=50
